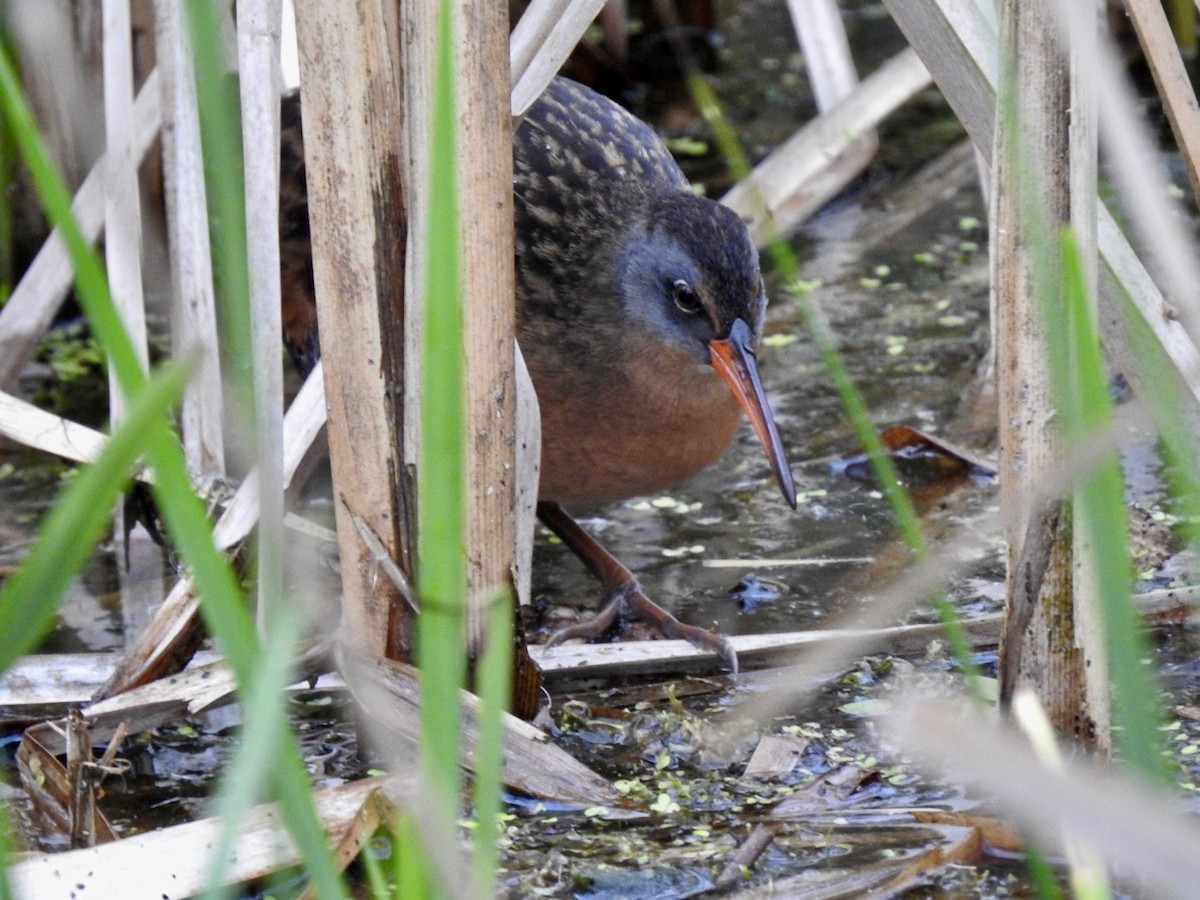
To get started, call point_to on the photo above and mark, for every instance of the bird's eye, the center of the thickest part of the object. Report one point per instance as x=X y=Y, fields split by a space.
x=685 y=297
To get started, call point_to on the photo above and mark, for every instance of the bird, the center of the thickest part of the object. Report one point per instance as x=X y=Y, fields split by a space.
x=639 y=312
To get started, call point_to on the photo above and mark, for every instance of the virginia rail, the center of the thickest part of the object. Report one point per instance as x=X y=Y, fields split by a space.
x=639 y=309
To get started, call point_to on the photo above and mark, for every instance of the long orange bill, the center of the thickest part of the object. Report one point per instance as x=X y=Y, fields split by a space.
x=734 y=359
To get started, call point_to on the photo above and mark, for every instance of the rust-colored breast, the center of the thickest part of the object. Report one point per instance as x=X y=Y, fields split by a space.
x=660 y=422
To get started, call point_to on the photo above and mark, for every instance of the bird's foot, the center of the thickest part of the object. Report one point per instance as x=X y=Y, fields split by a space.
x=629 y=602
x=625 y=595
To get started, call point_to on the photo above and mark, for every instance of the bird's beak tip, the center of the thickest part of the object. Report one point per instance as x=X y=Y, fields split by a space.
x=789 y=494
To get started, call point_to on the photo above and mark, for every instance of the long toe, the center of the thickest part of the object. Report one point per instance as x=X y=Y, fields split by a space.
x=641 y=606
x=590 y=629
x=632 y=603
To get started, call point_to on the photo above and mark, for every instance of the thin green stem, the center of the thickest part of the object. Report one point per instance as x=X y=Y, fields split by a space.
x=441 y=508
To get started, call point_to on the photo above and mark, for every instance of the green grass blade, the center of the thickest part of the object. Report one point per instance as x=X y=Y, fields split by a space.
x=409 y=870
x=1041 y=873
x=1081 y=386
x=224 y=611
x=221 y=137
x=265 y=731
x=441 y=576
x=441 y=507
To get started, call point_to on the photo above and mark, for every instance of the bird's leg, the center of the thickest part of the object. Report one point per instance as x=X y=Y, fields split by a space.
x=623 y=593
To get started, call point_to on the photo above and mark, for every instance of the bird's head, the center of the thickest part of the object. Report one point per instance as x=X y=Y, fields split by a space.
x=689 y=275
